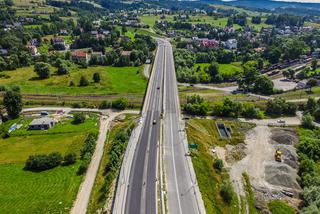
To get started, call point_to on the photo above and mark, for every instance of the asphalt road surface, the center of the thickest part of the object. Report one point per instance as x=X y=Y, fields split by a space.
x=142 y=194
x=181 y=187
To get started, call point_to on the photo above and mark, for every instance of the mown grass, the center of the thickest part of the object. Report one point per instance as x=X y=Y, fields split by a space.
x=224 y=69
x=102 y=187
x=205 y=134
x=280 y=207
x=114 y=80
x=50 y=191
x=64 y=137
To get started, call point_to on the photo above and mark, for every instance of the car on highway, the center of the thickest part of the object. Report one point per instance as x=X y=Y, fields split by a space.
x=158 y=87
x=154 y=121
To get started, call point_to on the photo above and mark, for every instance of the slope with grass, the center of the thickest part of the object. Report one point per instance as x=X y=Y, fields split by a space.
x=204 y=133
x=114 y=80
x=50 y=191
x=105 y=179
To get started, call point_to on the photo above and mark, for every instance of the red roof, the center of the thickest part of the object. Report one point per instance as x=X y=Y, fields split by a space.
x=79 y=54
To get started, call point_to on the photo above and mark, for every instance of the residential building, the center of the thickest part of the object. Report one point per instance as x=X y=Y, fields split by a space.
x=80 y=56
x=43 y=123
x=33 y=49
x=58 y=41
x=231 y=44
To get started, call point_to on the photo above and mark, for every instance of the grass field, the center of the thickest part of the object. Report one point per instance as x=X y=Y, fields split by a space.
x=224 y=69
x=301 y=94
x=105 y=181
x=50 y=191
x=205 y=134
x=201 y=19
x=114 y=80
x=211 y=95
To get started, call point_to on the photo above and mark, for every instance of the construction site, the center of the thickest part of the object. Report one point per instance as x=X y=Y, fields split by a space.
x=269 y=157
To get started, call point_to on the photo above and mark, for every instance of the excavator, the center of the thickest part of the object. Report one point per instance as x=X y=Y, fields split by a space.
x=277 y=155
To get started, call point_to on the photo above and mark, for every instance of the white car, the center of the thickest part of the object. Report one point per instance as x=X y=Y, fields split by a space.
x=281 y=121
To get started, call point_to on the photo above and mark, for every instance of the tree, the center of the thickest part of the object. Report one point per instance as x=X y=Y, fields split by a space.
x=314 y=64
x=260 y=63
x=286 y=74
x=311 y=104
x=79 y=118
x=213 y=71
x=312 y=83
x=8 y=3
x=218 y=164
x=83 y=81
x=96 y=77
x=42 y=69
x=43 y=162
x=63 y=69
x=3 y=64
x=263 y=85
x=274 y=55
x=12 y=101
x=307 y=121
x=291 y=73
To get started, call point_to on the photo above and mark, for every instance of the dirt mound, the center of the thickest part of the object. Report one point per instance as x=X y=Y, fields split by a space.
x=285 y=136
x=281 y=175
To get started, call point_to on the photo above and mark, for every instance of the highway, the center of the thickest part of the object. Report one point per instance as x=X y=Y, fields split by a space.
x=183 y=195
x=141 y=196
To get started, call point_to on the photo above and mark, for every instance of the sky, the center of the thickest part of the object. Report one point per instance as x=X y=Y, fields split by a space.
x=298 y=1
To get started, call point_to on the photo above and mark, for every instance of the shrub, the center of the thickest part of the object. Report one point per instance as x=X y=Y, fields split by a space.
x=96 y=77
x=104 y=105
x=42 y=69
x=69 y=158
x=83 y=81
x=79 y=118
x=280 y=207
x=218 y=164
x=86 y=152
x=120 y=103
x=226 y=192
x=43 y=162
x=307 y=121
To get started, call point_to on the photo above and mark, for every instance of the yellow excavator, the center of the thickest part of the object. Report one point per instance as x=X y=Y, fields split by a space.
x=277 y=155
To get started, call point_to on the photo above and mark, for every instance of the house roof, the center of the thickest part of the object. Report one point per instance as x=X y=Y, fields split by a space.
x=79 y=54
x=58 y=39
x=125 y=53
x=41 y=121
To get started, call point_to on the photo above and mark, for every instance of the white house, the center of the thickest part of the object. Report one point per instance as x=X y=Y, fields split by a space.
x=231 y=44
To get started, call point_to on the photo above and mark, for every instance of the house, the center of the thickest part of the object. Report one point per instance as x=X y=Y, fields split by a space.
x=34 y=42
x=4 y=52
x=125 y=53
x=231 y=44
x=80 y=56
x=33 y=49
x=208 y=43
x=100 y=36
x=94 y=32
x=58 y=41
x=315 y=54
x=43 y=123
x=105 y=32
x=63 y=32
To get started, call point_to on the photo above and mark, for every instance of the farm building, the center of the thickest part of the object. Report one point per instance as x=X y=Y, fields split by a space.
x=43 y=123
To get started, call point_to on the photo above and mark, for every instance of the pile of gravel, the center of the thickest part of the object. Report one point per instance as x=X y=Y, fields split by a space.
x=287 y=136
x=281 y=175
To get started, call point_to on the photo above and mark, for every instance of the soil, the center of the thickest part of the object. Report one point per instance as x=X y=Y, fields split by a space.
x=269 y=179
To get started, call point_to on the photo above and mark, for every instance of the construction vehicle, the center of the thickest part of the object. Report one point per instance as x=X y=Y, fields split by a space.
x=277 y=155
